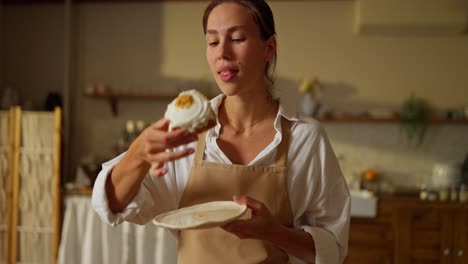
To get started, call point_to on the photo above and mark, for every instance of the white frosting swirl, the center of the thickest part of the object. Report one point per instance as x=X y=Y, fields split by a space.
x=193 y=118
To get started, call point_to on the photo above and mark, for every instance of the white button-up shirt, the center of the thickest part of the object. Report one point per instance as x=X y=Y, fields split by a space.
x=319 y=197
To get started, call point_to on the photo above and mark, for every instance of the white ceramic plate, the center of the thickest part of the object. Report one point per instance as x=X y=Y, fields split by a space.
x=201 y=215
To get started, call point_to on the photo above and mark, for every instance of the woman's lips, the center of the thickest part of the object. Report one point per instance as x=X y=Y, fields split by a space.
x=227 y=74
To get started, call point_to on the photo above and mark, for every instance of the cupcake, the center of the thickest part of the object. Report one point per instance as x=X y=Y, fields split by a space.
x=191 y=110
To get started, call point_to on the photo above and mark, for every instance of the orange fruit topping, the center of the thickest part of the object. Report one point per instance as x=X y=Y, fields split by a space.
x=184 y=101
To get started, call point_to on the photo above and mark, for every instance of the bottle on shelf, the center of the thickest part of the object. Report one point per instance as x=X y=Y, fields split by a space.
x=464 y=171
x=444 y=194
x=130 y=131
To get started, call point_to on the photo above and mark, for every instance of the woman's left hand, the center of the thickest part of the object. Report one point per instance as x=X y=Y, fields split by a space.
x=260 y=226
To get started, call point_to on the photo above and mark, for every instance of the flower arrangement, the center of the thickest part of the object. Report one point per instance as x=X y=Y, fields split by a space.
x=311 y=89
x=308 y=86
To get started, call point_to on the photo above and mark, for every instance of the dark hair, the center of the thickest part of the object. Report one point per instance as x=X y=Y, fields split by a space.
x=262 y=16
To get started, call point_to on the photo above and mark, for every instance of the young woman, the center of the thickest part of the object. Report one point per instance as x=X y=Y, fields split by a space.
x=280 y=166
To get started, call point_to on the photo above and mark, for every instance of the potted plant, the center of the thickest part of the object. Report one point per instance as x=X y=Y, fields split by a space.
x=413 y=118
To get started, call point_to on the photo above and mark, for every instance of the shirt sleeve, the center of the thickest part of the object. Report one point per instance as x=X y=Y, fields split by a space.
x=325 y=206
x=330 y=232
x=141 y=209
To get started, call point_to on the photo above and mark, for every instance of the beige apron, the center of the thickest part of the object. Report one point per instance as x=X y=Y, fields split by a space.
x=210 y=181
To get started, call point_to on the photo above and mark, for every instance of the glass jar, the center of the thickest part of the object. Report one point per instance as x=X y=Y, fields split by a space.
x=453 y=193
x=423 y=192
x=463 y=194
x=443 y=194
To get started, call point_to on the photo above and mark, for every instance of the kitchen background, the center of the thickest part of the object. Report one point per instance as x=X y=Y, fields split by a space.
x=369 y=60
x=159 y=47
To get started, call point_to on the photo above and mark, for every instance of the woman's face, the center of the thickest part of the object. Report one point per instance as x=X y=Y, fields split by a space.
x=235 y=51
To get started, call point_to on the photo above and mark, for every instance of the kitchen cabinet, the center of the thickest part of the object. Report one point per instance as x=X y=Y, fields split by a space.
x=371 y=240
x=431 y=234
x=411 y=231
x=460 y=238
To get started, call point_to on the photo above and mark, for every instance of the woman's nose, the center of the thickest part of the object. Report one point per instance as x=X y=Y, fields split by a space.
x=224 y=51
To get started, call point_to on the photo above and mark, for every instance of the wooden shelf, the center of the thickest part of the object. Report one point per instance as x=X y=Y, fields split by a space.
x=139 y=96
x=348 y=119
x=41 y=2
x=114 y=97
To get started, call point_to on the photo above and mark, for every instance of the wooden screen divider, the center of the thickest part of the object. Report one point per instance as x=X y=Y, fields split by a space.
x=14 y=178
x=15 y=117
x=11 y=131
x=56 y=183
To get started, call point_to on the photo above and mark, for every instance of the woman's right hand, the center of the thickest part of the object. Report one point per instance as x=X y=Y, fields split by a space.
x=152 y=143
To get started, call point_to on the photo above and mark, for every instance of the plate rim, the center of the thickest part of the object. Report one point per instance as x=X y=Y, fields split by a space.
x=242 y=209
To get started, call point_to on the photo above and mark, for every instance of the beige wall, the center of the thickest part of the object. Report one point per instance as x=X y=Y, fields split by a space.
x=160 y=46
x=32 y=50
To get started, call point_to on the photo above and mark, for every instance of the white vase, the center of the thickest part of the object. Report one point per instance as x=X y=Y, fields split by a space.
x=308 y=104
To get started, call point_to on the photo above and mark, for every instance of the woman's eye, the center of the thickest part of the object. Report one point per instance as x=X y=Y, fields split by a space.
x=238 y=40
x=213 y=43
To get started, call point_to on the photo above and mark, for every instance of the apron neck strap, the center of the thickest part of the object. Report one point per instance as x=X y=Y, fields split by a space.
x=200 y=149
x=281 y=152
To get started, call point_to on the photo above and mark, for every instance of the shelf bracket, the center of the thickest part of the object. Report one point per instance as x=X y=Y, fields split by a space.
x=114 y=105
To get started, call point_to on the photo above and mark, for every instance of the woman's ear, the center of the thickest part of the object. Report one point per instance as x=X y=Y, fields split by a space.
x=270 y=48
